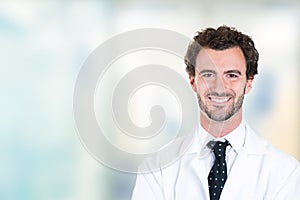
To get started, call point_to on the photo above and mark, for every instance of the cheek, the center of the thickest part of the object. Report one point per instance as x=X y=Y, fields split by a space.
x=237 y=88
x=203 y=86
x=243 y=89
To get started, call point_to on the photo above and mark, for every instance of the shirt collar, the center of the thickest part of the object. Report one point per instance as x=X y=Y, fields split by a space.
x=236 y=138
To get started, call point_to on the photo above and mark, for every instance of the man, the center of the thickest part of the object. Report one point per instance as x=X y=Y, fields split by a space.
x=226 y=159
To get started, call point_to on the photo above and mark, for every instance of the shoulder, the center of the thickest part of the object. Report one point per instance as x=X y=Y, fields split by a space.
x=278 y=171
x=278 y=165
x=169 y=155
x=258 y=145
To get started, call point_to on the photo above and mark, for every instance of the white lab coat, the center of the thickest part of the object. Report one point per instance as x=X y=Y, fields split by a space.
x=260 y=172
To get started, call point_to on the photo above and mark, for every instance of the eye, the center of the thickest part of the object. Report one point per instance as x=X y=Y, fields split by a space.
x=232 y=75
x=207 y=75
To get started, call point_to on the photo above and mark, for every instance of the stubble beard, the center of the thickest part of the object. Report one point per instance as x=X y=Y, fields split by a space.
x=221 y=114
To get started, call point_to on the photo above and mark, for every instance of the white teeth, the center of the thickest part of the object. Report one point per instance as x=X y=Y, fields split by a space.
x=219 y=100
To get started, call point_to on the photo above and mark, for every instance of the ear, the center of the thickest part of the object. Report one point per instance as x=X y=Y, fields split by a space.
x=193 y=83
x=248 y=86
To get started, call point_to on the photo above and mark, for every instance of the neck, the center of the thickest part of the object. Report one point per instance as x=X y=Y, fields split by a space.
x=220 y=128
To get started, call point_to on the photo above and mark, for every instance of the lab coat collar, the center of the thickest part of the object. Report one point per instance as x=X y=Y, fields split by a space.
x=237 y=137
x=254 y=145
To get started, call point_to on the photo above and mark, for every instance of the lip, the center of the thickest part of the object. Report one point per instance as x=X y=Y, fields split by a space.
x=219 y=100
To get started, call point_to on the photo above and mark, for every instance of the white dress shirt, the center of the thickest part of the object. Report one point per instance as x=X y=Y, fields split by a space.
x=236 y=140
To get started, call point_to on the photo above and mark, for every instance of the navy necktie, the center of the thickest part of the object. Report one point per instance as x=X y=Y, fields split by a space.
x=218 y=173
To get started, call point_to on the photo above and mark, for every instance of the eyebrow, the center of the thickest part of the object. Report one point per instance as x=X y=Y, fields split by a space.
x=226 y=72
x=207 y=71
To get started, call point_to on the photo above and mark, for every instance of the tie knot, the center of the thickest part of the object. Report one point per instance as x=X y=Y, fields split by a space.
x=219 y=148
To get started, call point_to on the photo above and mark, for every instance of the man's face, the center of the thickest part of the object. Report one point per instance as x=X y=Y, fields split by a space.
x=220 y=83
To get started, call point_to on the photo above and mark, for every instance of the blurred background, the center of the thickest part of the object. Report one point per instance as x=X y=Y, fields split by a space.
x=43 y=45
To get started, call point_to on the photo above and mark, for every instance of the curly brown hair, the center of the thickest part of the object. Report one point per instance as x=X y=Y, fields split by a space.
x=223 y=37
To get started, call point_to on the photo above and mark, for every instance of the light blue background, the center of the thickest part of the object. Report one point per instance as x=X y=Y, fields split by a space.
x=43 y=45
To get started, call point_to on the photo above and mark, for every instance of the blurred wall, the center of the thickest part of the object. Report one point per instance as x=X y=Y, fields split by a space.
x=43 y=46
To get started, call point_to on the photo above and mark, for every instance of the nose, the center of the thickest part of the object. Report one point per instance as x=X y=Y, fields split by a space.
x=219 y=85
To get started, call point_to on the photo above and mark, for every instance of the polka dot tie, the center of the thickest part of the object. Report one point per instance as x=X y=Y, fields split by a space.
x=218 y=173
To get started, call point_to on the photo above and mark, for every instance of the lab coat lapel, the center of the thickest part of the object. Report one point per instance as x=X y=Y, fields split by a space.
x=191 y=173
x=249 y=155
x=198 y=166
x=237 y=177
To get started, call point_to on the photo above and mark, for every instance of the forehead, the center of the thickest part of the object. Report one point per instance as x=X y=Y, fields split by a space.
x=227 y=59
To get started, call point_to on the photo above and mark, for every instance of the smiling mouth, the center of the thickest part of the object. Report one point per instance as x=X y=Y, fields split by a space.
x=219 y=100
